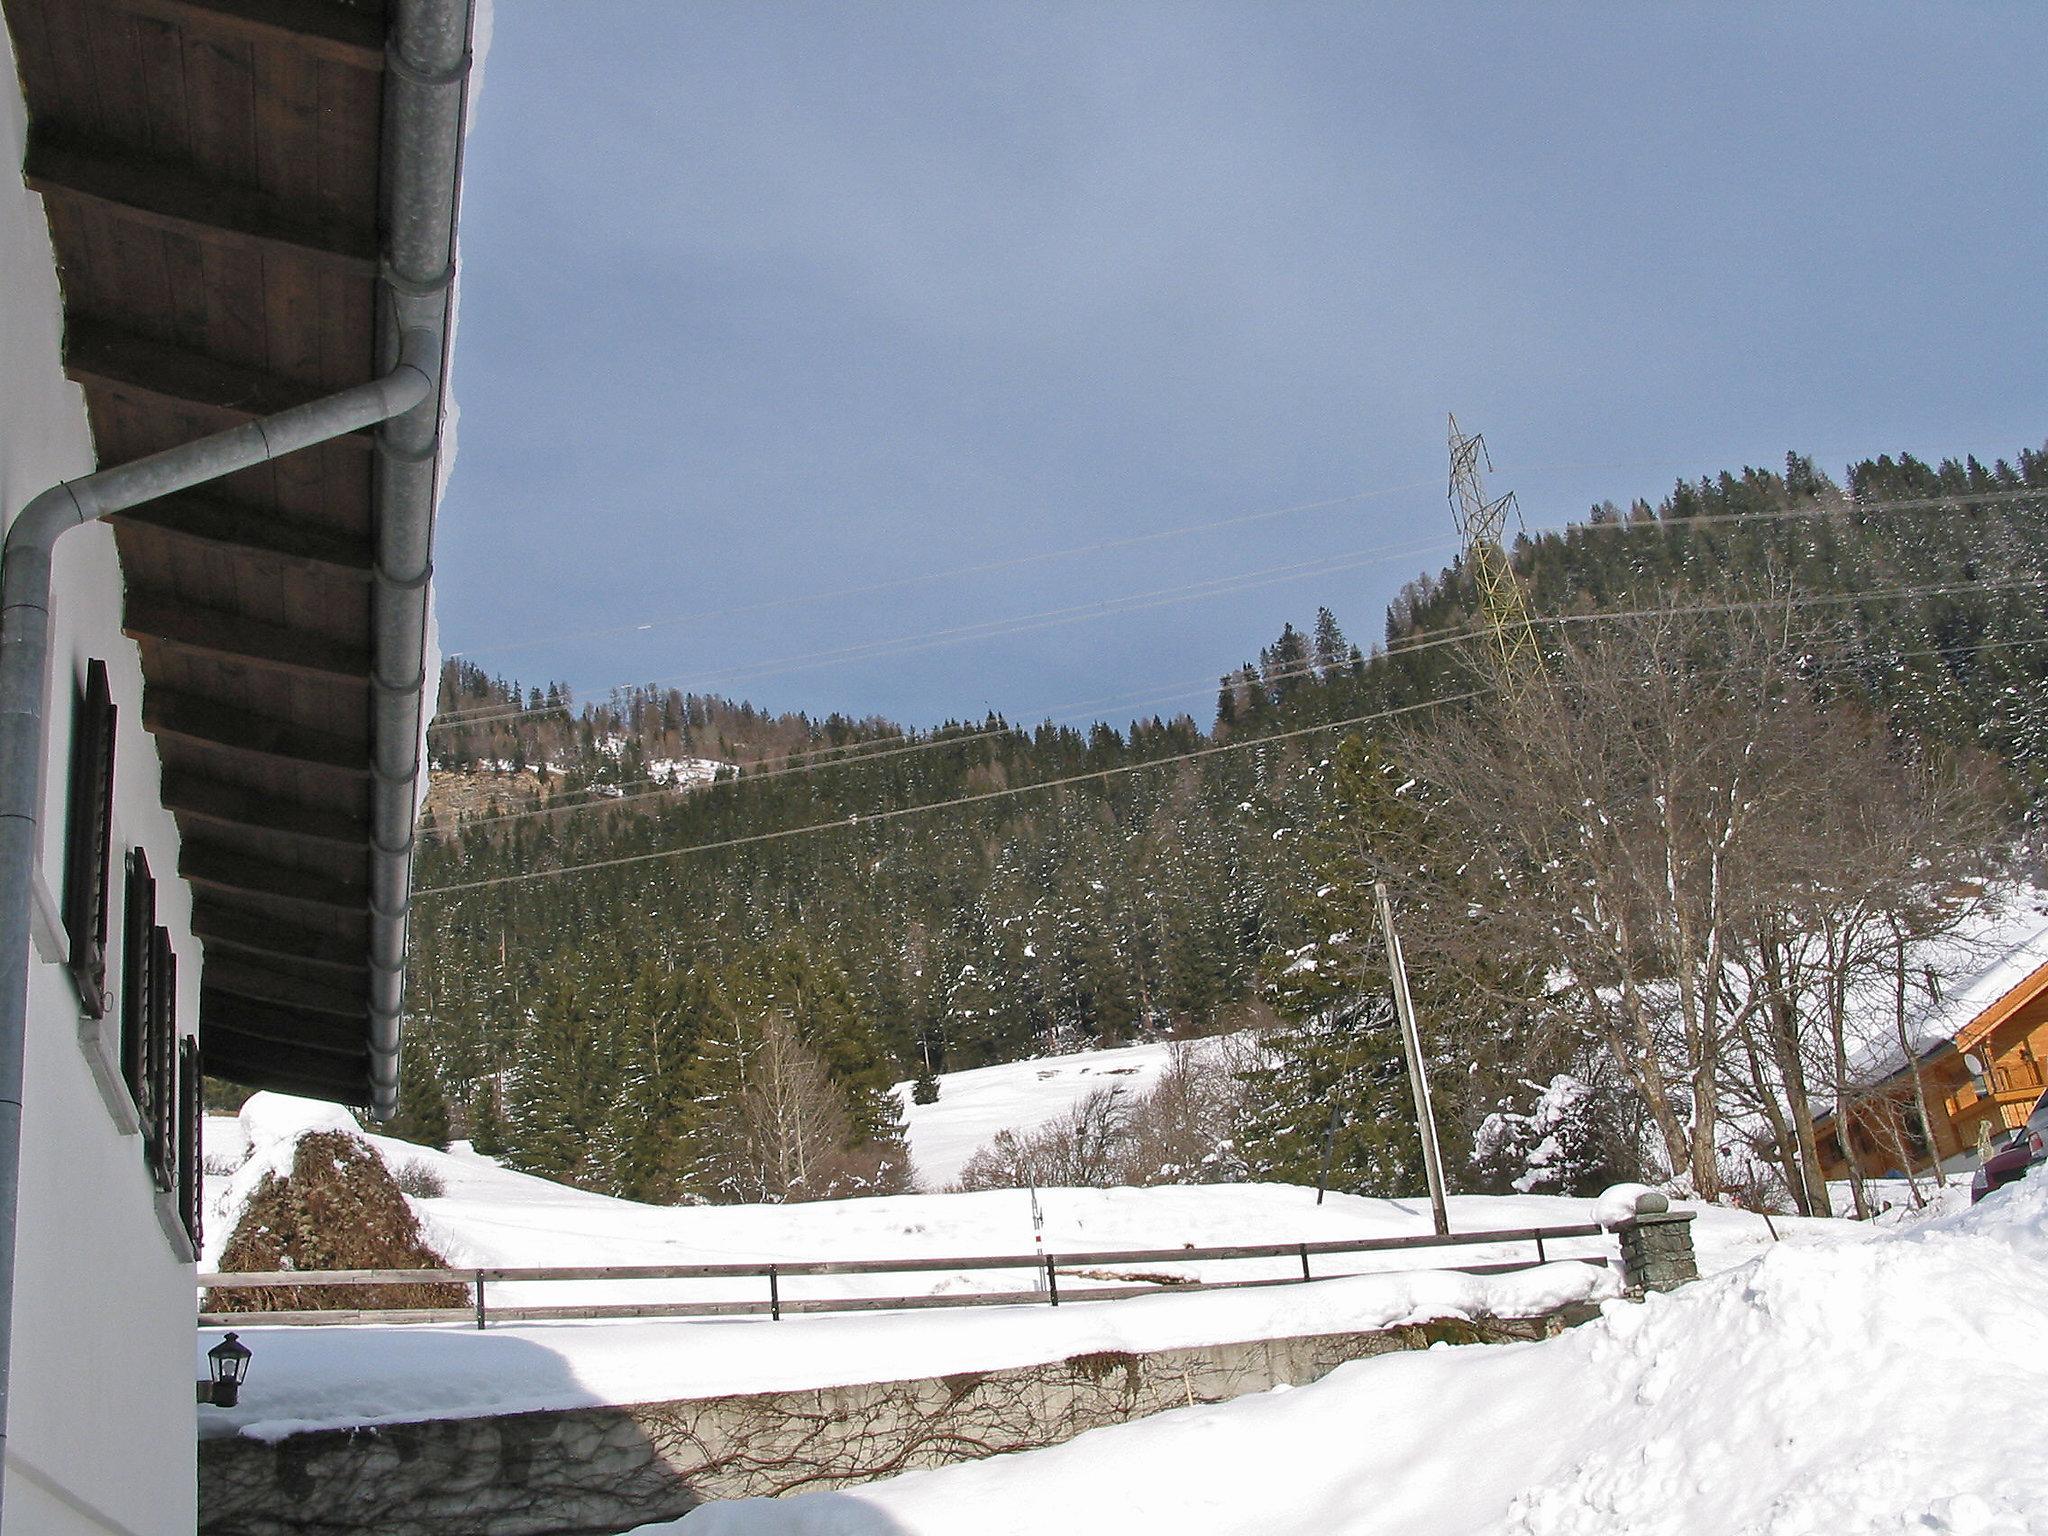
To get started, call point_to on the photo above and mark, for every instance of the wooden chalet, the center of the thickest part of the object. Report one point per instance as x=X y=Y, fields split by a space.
x=1978 y=1084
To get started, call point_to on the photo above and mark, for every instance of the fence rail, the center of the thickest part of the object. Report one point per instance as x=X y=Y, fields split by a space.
x=1046 y=1269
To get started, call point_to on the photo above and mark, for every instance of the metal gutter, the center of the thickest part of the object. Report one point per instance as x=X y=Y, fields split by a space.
x=25 y=567
x=426 y=78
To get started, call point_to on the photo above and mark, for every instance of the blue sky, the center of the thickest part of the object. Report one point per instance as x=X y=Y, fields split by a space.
x=810 y=336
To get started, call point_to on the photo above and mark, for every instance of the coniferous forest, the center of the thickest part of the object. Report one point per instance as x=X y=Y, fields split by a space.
x=675 y=947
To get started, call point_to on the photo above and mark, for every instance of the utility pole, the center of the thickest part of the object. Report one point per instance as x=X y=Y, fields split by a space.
x=1418 y=1076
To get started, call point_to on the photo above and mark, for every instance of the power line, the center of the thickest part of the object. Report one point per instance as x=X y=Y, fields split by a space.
x=1225 y=586
x=984 y=568
x=1049 y=618
x=825 y=758
x=844 y=823
x=1104 y=774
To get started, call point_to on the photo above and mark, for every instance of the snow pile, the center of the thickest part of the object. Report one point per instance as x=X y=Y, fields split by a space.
x=1822 y=1390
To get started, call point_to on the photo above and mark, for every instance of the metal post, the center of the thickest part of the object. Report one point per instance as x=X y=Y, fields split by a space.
x=1052 y=1284
x=479 y=1300
x=1329 y=1149
x=1418 y=1077
x=774 y=1295
x=1304 y=1261
x=1540 y=1259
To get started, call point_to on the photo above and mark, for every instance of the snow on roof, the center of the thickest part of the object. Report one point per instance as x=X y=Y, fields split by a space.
x=1996 y=948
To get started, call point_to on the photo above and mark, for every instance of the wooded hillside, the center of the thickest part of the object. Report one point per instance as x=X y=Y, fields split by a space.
x=987 y=890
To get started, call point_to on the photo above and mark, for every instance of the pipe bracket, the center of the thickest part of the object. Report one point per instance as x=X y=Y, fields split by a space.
x=415 y=287
x=398 y=64
x=407 y=584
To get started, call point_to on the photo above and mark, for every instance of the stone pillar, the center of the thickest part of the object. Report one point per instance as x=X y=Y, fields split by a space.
x=1656 y=1250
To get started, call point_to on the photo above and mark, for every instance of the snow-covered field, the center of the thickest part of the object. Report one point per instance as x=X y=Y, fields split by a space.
x=1822 y=1389
x=1015 y=1096
x=491 y=1216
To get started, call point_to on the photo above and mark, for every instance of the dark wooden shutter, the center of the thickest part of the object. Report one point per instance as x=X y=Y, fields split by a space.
x=160 y=1114
x=89 y=837
x=190 y=1165
x=138 y=992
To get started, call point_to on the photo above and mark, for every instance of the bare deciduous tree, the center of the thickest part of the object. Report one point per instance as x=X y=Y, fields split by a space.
x=1702 y=861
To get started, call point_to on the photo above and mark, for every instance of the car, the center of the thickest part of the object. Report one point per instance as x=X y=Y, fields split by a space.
x=2021 y=1150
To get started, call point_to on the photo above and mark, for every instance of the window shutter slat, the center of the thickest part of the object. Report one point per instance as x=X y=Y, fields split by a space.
x=191 y=1165
x=160 y=1118
x=89 y=839
x=138 y=993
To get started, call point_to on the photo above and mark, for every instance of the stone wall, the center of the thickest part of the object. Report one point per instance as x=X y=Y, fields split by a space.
x=593 y=1470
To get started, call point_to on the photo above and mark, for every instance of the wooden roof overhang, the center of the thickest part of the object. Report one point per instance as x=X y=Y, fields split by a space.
x=211 y=171
x=2001 y=1012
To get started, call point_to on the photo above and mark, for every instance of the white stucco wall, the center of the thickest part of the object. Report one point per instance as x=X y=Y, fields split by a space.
x=100 y=1433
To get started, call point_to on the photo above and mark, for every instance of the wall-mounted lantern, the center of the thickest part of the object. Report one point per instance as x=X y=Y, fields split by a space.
x=227 y=1365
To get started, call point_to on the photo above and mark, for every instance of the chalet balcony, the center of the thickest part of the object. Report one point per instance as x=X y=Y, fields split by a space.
x=2007 y=1092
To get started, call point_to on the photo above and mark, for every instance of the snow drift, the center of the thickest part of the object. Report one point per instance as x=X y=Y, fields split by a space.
x=1819 y=1390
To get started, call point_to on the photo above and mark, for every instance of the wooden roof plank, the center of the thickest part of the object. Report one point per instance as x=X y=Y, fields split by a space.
x=100 y=355
x=252 y=534
x=32 y=55
x=339 y=34
x=251 y=980
x=264 y=882
x=53 y=57
x=228 y=1030
x=342 y=1088
x=163 y=86
x=165 y=620
x=171 y=197
x=201 y=798
x=288 y=128
x=226 y=928
x=221 y=104
x=223 y=728
x=117 y=68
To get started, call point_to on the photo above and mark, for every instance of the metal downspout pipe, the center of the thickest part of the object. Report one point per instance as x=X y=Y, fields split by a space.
x=426 y=77
x=25 y=569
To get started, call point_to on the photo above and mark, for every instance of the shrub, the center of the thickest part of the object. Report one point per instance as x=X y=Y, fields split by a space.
x=418 y=1180
x=338 y=1208
x=1186 y=1130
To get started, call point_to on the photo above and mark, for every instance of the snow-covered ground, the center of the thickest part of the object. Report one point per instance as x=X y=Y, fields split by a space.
x=1821 y=1389
x=491 y=1216
x=1015 y=1096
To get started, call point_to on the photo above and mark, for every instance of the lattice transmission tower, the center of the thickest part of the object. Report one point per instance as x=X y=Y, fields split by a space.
x=1480 y=525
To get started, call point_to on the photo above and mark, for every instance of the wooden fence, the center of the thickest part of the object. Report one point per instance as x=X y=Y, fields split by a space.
x=1046 y=1271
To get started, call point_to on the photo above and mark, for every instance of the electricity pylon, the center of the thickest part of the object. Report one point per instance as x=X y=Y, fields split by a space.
x=1480 y=525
